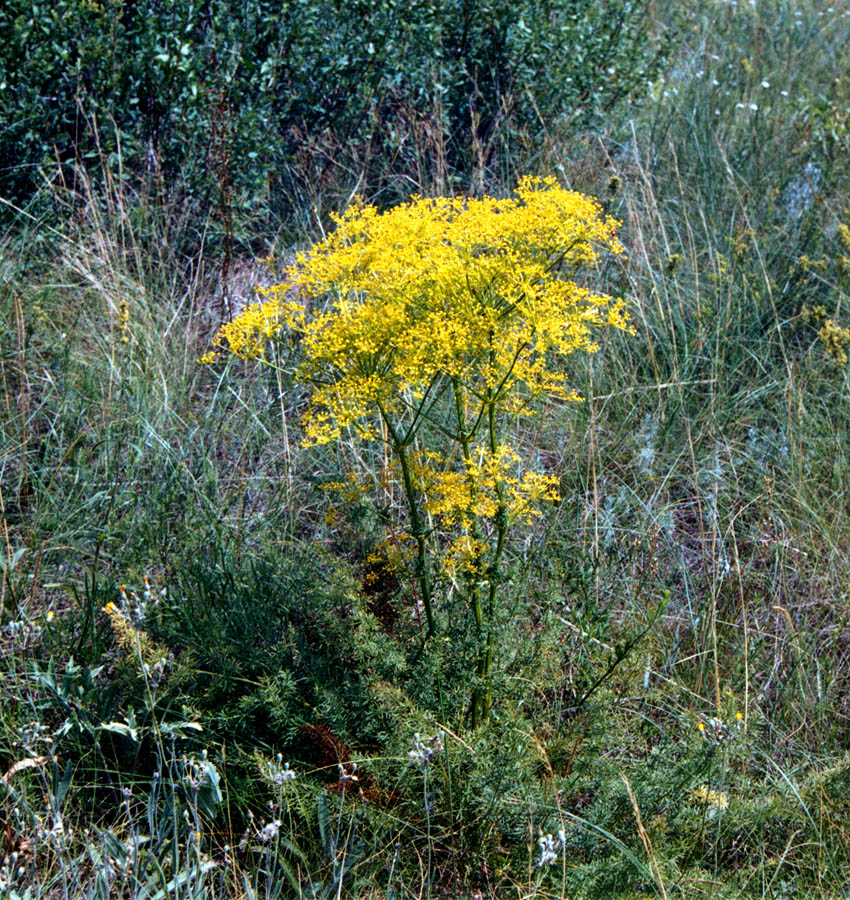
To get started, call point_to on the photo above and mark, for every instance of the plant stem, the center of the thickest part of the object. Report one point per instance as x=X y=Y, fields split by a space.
x=421 y=571
x=501 y=521
x=476 y=703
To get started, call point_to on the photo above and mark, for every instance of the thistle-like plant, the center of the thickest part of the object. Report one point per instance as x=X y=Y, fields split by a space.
x=437 y=324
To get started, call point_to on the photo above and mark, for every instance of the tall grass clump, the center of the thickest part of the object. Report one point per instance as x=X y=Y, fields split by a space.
x=705 y=449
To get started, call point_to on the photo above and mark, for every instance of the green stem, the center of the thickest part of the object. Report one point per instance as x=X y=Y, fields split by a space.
x=477 y=702
x=493 y=572
x=421 y=572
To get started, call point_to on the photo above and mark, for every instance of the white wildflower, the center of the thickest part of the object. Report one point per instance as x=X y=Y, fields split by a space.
x=424 y=751
x=269 y=832
x=550 y=847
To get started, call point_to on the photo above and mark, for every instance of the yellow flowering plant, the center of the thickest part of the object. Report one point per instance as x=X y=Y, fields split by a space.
x=432 y=326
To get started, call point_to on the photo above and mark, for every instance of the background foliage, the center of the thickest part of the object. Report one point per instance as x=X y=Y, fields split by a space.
x=277 y=104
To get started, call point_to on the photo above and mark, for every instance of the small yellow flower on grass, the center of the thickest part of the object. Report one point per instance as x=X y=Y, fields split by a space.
x=714 y=800
x=836 y=341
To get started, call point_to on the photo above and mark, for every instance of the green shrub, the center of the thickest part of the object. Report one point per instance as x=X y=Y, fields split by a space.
x=260 y=102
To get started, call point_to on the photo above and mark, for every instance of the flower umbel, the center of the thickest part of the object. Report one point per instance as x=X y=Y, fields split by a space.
x=434 y=288
x=550 y=846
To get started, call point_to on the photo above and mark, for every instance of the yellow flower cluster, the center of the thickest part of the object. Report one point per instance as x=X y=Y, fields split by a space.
x=459 y=498
x=134 y=643
x=247 y=334
x=844 y=258
x=711 y=798
x=465 y=555
x=836 y=341
x=813 y=315
x=834 y=338
x=350 y=491
x=453 y=496
x=124 y=321
x=477 y=289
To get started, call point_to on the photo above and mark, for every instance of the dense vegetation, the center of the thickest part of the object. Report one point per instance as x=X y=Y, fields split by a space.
x=281 y=109
x=220 y=679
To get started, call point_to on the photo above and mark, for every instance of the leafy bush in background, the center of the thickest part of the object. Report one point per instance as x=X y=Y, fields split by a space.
x=265 y=104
